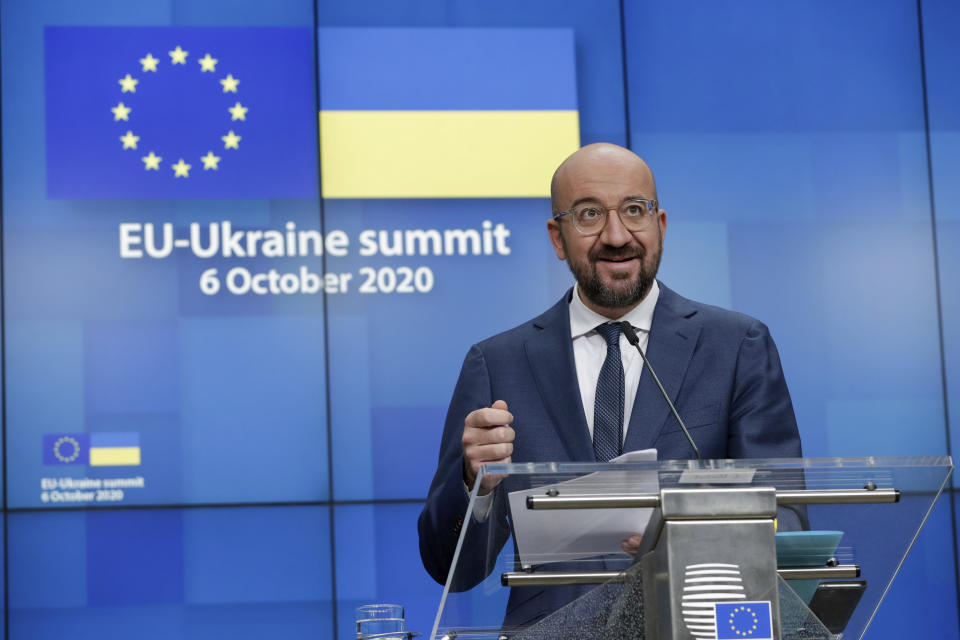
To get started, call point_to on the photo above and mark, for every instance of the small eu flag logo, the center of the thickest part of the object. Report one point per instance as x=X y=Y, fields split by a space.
x=738 y=620
x=66 y=448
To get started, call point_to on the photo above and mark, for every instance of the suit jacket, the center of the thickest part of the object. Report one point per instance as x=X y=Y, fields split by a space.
x=722 y=372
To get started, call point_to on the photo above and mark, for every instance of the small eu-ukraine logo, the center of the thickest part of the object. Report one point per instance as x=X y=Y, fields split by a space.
x=744 y=620
x=107 y=449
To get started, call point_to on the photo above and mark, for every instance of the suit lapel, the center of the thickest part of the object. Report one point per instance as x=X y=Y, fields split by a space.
x=550 y=355
x=673 y=337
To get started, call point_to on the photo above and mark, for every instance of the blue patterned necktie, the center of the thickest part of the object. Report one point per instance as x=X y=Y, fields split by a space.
x=608 y=407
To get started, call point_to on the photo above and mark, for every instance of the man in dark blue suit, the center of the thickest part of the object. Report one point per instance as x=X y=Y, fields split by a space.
x=533 y=394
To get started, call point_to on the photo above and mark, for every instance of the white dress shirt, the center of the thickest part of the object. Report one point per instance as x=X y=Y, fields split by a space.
x=590 y=350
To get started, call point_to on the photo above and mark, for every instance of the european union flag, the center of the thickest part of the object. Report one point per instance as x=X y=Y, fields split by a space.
x=180 y=112
x=738 y=620
x=66 y=448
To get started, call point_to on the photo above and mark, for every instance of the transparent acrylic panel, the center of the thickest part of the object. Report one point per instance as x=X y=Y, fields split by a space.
x=503 y=540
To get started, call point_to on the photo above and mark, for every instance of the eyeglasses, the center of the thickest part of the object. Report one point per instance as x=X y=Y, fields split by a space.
x=590 y=218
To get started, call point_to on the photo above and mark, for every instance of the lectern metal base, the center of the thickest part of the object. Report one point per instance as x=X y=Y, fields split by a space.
x=708 y=569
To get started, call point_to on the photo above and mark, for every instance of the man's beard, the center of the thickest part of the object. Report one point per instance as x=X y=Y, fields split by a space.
x=599 y=292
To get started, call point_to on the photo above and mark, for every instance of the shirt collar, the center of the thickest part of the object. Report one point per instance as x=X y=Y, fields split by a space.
x=583 y=320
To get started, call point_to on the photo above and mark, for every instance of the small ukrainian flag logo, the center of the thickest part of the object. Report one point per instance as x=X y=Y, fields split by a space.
x=114 y=449
x=105 y=449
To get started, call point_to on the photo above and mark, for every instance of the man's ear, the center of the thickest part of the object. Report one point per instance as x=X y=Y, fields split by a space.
x=553 y=228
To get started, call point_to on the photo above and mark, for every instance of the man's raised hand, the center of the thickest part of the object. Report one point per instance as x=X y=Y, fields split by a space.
x=487 y=437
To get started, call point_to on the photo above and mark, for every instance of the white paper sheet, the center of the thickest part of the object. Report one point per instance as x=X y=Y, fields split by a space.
x=553 y=536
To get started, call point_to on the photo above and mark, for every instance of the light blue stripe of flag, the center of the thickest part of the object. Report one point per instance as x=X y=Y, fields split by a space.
x=441 y=69
x=115 y=439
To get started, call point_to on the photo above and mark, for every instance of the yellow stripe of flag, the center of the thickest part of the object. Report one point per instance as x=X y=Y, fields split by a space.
x=114 y=456
x=443 y=154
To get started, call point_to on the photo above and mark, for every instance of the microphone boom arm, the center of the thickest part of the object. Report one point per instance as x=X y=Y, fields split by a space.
x=632 y=338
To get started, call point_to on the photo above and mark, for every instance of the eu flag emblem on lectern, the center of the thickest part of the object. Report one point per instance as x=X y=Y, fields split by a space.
x=738 y=620
x=180 y=112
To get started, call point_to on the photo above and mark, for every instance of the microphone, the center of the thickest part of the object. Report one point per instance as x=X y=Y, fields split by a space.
x=632 y=338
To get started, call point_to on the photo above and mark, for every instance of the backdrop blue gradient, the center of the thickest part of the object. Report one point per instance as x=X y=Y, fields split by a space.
x=805 y=153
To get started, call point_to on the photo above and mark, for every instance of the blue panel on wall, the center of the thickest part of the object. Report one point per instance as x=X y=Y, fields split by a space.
x=279 y=13
x=273 y=554
x=759 y=67
x=3 y=566
x=131 y=367
x=394 y=358
x=236 y=383
x=117 y=330
x=28 y=395
x=378 y=562
x=134 y=544
x=811 y=153
x=940 y=19
x=242 y=572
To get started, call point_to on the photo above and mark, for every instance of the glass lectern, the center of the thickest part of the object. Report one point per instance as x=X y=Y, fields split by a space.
x=762 y=549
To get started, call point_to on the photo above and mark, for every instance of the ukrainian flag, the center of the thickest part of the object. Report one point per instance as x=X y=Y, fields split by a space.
x=445 y=112
x=114 y=449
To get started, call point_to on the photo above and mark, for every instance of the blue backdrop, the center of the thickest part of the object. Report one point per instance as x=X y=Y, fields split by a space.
x=279 y=362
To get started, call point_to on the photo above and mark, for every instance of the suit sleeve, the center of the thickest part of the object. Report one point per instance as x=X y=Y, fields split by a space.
x=762 y=420
x=442 y=517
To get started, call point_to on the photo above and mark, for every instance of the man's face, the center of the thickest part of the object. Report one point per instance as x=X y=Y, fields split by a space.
x=615 y=269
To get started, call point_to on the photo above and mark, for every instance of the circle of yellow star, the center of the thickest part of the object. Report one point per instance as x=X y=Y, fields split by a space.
x=210 y=161
x=181 y=169
x=149 y=63
x=70 y=457
x=128 y=84
x=129 y=140
x=151 y=161
x=754 y=621
x=229 y=84
x=178 y=56
x=231 y=140
x=208 y=63
x=238 y=112
x=121 y=112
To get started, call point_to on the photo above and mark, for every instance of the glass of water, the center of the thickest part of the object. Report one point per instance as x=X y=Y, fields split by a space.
x=380 y=620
